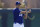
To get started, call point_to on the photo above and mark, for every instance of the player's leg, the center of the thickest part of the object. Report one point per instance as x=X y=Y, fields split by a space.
x=16 y=25
x=22 y=25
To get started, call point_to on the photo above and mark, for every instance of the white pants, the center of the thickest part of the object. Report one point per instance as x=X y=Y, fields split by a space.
x=18 y=25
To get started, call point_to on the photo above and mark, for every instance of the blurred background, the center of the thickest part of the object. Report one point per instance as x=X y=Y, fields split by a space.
x=6 y=13
x=11 y=3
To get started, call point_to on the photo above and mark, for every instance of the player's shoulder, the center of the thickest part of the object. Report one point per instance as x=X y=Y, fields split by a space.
x=14 y=8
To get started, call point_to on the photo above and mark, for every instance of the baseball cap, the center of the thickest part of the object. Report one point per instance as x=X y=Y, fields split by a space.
x=18 y=3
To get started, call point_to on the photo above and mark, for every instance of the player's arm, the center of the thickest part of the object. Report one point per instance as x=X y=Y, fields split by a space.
x=25 y=16
x=23 y=12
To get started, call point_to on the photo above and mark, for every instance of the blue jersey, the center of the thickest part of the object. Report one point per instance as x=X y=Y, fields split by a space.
x=18 y=18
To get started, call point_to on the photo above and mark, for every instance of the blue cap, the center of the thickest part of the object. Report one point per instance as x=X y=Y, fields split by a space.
x=18 y=3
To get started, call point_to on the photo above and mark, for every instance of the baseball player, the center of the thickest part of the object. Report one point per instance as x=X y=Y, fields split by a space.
x=18 y=16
